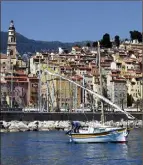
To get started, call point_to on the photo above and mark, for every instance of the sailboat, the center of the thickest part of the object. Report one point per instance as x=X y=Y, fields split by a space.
x=99 y=133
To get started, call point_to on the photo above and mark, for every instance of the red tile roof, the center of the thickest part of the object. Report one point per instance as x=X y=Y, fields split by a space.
x=17 y=81
x=3 y=56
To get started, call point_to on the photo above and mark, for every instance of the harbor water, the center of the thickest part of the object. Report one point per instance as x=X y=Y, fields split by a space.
x=54 y=148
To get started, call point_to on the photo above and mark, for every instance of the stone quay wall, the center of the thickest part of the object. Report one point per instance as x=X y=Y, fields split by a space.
x=65 y=116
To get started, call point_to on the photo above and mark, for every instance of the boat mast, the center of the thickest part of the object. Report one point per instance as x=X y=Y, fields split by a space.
x=59 y=62
x=39 y=100
x=47 y=87
x=83 y=93
x=101 y=87
x=47 y=93
x=11 y=83
x=76 y=95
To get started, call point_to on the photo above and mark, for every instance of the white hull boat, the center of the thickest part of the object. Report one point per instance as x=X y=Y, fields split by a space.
x=99 y=135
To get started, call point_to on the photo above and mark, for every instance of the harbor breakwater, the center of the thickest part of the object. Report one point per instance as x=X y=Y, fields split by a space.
x=22 y=126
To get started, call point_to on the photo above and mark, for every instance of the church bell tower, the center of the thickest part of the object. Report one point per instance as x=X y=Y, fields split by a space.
x=11 y=44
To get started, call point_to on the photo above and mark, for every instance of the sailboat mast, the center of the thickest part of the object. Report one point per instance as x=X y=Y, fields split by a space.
x=47 y=93
x=11 y=83
x=83 y=94
x=47 y=87
x=101 y=87
x=39 y=85
x=76 y=95
x=60 y=91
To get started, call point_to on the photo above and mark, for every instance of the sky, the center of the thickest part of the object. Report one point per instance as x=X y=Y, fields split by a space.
x=72 y=21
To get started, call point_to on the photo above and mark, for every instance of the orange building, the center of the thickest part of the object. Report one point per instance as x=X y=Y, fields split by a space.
x=17 y=89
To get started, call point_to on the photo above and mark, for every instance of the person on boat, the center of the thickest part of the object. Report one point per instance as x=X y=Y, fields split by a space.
x=75 y=126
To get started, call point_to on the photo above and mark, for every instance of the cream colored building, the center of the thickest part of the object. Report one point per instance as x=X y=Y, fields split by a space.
x=3 y=63
x=117 y=90
x=97 y=88
x=135 y=88
x=36 y=62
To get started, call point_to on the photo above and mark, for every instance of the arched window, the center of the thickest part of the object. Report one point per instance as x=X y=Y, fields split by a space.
x=12 y=39
x=11 y=52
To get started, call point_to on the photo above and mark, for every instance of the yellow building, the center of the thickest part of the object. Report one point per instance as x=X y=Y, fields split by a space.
x=61 y=93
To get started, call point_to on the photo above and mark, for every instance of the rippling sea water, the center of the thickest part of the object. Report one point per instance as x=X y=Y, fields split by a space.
x=53 y=148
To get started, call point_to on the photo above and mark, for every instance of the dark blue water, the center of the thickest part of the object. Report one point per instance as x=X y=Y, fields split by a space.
x=53 y=148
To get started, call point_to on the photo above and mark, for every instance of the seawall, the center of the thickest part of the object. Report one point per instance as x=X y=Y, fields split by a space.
x=32 y=116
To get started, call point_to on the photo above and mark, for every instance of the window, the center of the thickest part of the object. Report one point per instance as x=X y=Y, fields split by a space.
x=12 y=33
x=12 y=39
x=34 y=85
x=11 y=52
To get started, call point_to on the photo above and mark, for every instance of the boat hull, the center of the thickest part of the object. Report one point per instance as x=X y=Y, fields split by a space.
x=110 y=136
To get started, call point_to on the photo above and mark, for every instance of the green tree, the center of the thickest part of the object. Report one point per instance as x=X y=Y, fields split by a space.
x=140 y=37
x=117 y=40
x=77 y=46
x=126 y=39
x=132 y=36
x=136 y=35
x=88 y=44
x=94 y=44
x=105 y=42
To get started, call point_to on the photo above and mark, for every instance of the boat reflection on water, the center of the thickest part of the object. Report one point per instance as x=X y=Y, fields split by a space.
x=106 y=151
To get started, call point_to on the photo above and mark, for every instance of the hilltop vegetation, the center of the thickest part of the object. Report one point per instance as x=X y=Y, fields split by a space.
x=28 y=45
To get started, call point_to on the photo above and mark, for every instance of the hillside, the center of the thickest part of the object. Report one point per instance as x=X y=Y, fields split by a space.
x=28 y=45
